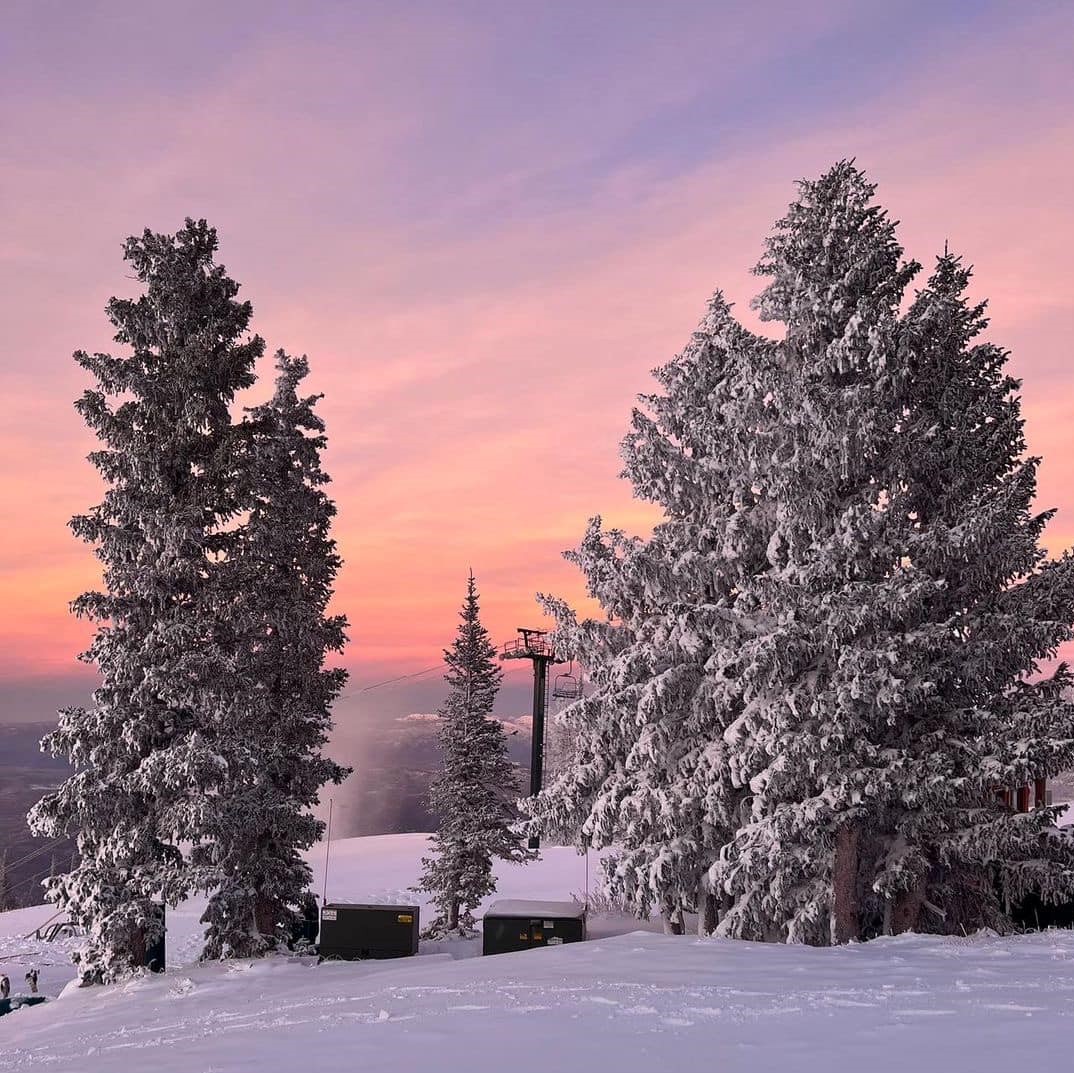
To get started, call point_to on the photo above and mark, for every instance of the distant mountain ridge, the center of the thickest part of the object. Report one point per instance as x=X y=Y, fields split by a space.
x=26 y=774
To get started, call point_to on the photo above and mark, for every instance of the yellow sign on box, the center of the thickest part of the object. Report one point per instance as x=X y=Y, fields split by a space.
x=405 y=918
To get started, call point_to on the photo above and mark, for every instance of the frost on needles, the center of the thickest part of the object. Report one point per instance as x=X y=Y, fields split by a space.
x=213 y=703
x=813 y=678
x=277 y=585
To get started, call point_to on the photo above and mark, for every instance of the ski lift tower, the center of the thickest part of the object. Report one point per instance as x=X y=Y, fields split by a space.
x=535 y=646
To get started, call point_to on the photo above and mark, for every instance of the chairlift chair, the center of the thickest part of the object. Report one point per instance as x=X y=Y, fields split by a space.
x=567 y=686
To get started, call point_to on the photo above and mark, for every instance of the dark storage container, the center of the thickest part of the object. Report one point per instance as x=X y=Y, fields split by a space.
x=354 y=932
x=522 y=925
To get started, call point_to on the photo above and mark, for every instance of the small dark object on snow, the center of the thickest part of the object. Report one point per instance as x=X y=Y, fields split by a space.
x=521 y=925
x=31 y=981
x=356 y=932
x=7 y=1005
x=5 y=986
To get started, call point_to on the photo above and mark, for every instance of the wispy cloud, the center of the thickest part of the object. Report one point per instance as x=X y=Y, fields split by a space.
x=486 y=248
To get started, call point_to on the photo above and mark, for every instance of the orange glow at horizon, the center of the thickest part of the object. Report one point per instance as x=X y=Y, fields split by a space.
x=479 y=362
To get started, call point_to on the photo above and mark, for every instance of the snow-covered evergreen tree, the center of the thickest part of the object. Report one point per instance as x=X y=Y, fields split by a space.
x=561 y=742
x=276 y=587
x=474 y=791
x=888 y=705
x=147 y=752
x=823 y=682
x=652 y=776
x=959 y=857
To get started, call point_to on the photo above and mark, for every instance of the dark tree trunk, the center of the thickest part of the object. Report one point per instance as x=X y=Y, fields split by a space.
x=138 y=947
x=672 y=914
x=845 y=925
x=706 y=912
x=265 y=917
x=906 y=908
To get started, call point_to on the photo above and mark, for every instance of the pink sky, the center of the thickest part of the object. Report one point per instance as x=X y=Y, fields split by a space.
x=485 y=228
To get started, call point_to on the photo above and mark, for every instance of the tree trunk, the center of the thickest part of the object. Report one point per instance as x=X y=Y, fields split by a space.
x=706 y=912
x=138 y=947
x=265 y=918
x=845 y=925
x=906 y=908
x=453 y=915
x=672 y=914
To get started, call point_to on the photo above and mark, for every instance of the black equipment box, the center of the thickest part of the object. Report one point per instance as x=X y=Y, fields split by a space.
x=521 y=925
x=356 y=932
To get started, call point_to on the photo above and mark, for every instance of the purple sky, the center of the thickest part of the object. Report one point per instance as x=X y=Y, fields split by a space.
x=485 y=223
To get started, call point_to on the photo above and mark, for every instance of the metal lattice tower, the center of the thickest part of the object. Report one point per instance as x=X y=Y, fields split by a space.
x=535 y=646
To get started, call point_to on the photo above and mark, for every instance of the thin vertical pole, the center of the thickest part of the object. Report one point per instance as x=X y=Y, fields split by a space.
x=327 y=850
x=587 y=879
x=540 y=687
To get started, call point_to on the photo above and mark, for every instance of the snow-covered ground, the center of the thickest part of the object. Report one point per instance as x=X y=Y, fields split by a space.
x=628 y=1000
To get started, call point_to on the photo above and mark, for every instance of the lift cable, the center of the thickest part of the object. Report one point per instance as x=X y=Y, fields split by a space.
x=26 y=883
x=391 y=681
x=35 y=853
x=399 y=678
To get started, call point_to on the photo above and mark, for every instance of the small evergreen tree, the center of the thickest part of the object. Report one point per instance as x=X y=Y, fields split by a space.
x=472 y=793
x=148 y=751
x=279 y=581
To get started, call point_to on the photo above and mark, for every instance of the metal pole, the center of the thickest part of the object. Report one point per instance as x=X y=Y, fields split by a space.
x=327 y=850
x=540 y=687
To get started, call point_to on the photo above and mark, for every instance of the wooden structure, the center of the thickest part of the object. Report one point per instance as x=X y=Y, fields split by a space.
x=1028 y=796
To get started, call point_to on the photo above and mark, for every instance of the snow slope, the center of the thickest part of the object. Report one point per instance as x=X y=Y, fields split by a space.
x=628 y=1000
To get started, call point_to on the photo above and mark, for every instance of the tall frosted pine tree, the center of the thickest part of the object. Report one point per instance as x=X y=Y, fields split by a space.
x=989 y=720
x=148 y=749
x=473 y=793
x=278 y=583
x=652 y=778
x=823 y=686
x=912 y=601
x=814 y=677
